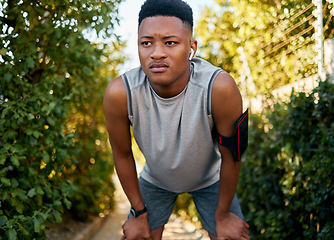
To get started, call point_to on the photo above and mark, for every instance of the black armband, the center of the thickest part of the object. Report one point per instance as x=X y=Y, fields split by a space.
x=238 y=143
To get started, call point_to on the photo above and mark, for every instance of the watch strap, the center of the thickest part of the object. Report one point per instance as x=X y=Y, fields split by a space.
x=136 y=213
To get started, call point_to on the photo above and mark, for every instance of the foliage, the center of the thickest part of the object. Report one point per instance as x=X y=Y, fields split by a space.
x=286 y=182
x=277 y=37
x=53 y=149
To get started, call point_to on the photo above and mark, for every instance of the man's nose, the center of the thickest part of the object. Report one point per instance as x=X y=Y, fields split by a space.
x=158 y=52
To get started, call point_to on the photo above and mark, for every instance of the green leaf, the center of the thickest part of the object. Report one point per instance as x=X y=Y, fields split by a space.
x=3 y=220
x=43 y=215
x=31 y=171
x=30 y=116
x=37 y=134
x=24 y=231
x=37 y=225
x=2 y=159
x=11 y=134
x=12 y=235
x=3 y=171
x=39 y=190
x=6 y=182
x=21 y=194
x=67 y=203
x=7 y=77
x=19 y=207
x=46 y=157
x=6 y=147
x=57 y=216
x=57 y=203
x=15 y=183
x=15 y=161
x=47 y=190
x=21 y=158
x=32 y=141
x=52 y=105
x=4 y=195
x=29 y=131
x=55 y=194
x=50 y=121
x=32 y=192
x=30 y=62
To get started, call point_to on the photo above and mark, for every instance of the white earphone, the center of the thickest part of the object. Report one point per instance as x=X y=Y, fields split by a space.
x=192 y=53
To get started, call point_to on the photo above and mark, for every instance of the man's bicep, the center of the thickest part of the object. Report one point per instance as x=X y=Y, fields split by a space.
x=117 y=122
x=226 y=104
x=226 y=109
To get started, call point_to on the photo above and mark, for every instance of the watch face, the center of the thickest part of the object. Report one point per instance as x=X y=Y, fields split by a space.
x=133 y=213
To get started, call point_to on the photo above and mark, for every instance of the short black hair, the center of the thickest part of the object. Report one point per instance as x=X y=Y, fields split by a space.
x=171 y=8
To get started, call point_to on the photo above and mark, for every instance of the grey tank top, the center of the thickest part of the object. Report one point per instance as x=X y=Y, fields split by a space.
x=175 y=134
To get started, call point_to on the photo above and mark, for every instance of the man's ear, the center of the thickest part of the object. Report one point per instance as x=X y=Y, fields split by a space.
x=193 y=50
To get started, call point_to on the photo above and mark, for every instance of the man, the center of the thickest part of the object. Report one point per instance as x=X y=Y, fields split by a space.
x=173 y=102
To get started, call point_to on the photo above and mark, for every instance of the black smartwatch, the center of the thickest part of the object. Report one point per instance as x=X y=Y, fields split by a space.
x=137 y=213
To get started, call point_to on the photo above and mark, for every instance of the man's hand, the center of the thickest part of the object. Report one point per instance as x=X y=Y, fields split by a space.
x=230 y=226
x=136 y=228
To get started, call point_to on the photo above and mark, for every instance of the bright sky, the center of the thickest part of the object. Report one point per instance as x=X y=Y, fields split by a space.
x=128 y=13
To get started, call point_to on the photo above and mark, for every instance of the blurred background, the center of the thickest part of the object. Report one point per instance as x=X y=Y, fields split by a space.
x=57 y=58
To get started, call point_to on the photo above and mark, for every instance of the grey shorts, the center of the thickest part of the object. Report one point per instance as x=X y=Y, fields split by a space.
x=160 y=204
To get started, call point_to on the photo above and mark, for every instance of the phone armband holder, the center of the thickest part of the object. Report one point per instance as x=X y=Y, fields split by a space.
x=238 y=143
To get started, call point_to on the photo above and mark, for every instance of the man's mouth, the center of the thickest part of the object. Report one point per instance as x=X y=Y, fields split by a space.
x=158 y=67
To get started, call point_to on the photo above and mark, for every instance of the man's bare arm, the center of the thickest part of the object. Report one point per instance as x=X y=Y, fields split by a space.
x=226 y=109
x=118 y=127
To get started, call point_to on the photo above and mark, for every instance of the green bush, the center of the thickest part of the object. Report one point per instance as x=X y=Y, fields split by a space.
x=286 y=182
x=53 y=147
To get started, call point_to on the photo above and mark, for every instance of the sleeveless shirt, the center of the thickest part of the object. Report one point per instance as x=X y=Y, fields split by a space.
x=175 y=134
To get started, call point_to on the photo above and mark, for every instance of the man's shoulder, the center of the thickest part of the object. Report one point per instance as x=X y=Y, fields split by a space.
x=115 y=85
x=115 y=90
x=115 y=101
x=224 y=82
x=225 y=90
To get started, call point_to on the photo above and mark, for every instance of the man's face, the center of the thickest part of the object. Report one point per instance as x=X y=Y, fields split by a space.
x=164 y=46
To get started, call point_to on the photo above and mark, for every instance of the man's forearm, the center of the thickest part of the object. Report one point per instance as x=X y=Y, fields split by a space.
x=229 y=225
x=229 y=176
x=127 y=174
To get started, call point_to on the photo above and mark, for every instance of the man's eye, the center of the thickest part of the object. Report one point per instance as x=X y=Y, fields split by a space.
x=146 y=44
x=170 y=43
